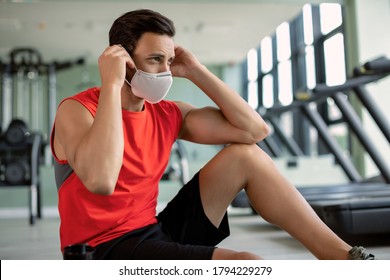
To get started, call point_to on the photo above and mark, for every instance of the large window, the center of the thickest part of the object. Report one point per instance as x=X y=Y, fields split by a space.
x=253 y=94
x=306 y=51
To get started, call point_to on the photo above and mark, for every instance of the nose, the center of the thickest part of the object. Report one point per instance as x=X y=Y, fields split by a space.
x=164 y=67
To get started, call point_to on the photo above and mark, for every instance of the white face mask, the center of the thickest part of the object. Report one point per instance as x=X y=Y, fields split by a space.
x=152 y=87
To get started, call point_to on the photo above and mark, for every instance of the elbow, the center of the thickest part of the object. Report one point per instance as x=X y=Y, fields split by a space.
x=260 y=133
x=99 y=176
x=265 y=131
x=101 y=186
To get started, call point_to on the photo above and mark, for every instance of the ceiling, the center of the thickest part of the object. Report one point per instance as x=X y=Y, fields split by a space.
x=216 y=31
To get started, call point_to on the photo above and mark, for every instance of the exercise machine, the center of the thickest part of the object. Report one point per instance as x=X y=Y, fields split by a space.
x=20 y=158
x=28 y=102
x=359 y=205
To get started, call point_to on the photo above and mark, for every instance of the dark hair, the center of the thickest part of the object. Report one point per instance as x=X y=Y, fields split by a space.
x=128 y=28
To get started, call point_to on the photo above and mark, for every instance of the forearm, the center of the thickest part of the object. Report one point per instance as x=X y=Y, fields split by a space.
x=233 y=107
x=99 y=155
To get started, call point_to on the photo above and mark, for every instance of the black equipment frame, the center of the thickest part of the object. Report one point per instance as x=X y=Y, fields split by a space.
x=361 y=206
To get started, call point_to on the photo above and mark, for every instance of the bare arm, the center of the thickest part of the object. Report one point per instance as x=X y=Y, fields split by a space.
x=94 y=146
x=233 y=121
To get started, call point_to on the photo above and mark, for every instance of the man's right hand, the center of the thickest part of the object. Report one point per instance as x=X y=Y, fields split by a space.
x=112 y=66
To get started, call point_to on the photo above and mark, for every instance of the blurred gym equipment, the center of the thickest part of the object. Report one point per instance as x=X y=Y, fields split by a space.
x=360 y=205
x=177 y=168
x=28 y=103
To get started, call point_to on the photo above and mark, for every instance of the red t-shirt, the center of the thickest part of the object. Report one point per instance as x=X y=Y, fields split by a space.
x=94 y=219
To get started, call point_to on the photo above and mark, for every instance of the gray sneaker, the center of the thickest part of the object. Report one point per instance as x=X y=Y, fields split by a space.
x=360 y=253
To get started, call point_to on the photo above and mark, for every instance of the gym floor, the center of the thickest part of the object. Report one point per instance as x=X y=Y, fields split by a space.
x=21 y=241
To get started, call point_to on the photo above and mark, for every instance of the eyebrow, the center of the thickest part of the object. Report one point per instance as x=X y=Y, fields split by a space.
x=160 y=55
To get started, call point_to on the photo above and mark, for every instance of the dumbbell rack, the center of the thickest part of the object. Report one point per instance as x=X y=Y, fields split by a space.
x=28 y=92
x=31 y=150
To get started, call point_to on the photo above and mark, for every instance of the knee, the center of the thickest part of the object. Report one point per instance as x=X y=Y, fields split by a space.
x=245 y=152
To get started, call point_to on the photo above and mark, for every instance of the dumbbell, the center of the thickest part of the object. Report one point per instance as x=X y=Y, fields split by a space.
x=17 y=172
x=17 y=133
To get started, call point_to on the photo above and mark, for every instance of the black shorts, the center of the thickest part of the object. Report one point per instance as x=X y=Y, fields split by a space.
x=183 y=232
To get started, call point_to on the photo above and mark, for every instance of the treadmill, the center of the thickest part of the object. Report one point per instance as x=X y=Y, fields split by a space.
x=361 y=206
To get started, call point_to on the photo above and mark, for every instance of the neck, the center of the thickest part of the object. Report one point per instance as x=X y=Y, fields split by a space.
x=130 y=102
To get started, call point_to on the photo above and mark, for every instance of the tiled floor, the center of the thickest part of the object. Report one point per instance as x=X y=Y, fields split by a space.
x=19 y=240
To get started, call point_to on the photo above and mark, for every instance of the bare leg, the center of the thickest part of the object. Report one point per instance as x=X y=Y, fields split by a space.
x=226 y=254
x=241 y=166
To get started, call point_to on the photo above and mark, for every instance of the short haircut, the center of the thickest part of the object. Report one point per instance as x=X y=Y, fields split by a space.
x=128 y=28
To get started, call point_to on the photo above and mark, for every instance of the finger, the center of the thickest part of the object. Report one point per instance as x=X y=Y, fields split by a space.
x=130 y=63
x=129 y=59
x=112 y=49
x=120 y=51
x=178 y=49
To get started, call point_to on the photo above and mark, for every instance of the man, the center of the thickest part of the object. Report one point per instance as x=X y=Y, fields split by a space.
x=112 y=145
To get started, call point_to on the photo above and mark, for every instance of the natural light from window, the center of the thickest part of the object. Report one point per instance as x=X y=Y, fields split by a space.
x=335 y=60
x=285 y=96
x=266 y=54
x=253 y=98
x=268 y=91
x=323 y=45
x=331 y=17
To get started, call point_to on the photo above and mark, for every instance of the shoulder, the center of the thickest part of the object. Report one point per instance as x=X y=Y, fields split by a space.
x=91 y=94
x=88 y=99
x=184 y=108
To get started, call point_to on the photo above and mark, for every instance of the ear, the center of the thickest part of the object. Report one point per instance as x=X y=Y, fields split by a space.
x=130 y=72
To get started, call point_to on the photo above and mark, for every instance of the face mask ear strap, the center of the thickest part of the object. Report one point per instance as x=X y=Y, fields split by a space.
x=136 y=69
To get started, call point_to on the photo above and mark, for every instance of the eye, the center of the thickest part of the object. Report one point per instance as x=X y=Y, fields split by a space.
x=156 y=59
